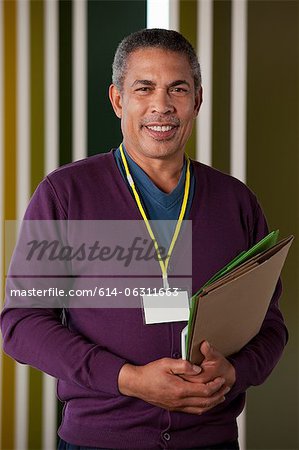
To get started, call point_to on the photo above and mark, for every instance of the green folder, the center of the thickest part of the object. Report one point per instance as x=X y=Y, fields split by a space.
x=261 y=246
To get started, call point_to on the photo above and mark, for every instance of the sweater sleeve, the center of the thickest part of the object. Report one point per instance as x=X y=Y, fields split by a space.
x=254 y=362
x=37 y=336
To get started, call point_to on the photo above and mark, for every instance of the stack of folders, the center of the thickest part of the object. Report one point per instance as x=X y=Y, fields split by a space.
x=229 y=309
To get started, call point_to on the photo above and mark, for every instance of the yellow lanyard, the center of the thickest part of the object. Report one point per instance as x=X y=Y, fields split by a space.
x=163 y=264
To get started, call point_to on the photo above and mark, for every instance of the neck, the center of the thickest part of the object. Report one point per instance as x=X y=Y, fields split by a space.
x=164 y=173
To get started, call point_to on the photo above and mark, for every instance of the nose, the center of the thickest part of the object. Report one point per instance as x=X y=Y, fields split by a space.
x=162 y=102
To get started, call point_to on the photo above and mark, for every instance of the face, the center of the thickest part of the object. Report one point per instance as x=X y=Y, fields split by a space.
x=158 y=103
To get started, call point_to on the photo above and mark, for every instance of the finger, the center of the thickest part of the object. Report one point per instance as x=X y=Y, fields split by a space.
x=200 y=405
x=201 y=389
x=209 y=352
x=182 y=367
x=198 y=410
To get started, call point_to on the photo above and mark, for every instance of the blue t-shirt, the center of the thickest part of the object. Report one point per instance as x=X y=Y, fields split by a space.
x=159 y=206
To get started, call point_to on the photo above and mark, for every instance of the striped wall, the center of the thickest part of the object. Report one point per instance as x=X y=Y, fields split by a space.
x=55 y=59
x=49 y=112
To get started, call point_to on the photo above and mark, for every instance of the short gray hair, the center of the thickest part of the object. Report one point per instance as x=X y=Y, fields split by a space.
x=158 y=38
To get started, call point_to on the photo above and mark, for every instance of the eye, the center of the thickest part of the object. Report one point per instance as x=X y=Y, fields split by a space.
x=178 y=90
x=143 y=89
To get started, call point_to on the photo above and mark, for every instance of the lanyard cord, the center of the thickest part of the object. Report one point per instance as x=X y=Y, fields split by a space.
x=163 y=264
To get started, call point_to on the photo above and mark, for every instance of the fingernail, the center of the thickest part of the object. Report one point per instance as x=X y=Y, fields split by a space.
x=196 y=369
x=226 y=390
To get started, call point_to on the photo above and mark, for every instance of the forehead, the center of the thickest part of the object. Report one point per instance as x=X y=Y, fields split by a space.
x=156 y=63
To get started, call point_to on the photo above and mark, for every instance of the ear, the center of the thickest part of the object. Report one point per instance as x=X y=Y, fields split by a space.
x=198 y=101
x=116 y=100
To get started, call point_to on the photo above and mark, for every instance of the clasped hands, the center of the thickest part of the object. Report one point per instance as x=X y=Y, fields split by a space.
x=177 y=385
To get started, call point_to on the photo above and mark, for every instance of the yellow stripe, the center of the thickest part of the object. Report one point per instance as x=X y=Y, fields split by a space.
x=163 y=265
x=8 y=380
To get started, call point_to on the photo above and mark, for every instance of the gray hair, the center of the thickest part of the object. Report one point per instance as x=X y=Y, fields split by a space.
x=157 y=38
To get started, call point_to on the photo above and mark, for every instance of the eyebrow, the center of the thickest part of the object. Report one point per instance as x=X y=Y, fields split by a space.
x=152 y=83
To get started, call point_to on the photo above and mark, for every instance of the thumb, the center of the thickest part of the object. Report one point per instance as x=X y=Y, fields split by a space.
x=208 y=351
x=182 y=367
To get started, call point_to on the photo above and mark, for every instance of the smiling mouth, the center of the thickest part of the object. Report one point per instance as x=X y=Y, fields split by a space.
x=160 y=128
x=161 y=132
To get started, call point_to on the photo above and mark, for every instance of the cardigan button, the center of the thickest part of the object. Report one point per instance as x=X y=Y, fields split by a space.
x=176 y=355
x=166 y=436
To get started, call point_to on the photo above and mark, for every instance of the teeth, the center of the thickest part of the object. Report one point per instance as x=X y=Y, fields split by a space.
x=163 y=128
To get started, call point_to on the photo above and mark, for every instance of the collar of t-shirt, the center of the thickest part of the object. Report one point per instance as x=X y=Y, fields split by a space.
x=158 y=205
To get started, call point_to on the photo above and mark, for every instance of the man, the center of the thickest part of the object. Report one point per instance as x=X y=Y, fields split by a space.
x=123 y=382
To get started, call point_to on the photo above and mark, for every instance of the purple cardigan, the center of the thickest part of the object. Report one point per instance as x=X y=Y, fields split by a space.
x=87 y=354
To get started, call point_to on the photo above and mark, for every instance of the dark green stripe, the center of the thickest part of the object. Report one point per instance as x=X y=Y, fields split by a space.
x=65 y=81
x=221 y=85
x=188 y=27
x=108 y=23
x=273 y=161
x=37 y=173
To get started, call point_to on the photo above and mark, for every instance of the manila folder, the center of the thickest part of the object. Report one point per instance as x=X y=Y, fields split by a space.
x=230 y=315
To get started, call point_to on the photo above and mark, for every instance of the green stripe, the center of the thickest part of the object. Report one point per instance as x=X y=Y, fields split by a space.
x=108 y=23
x=221 y=85
x=37 y=91
x=188 y=27
x=272 y=171
x=8 y=365
x=65 y=81
x=37 y=173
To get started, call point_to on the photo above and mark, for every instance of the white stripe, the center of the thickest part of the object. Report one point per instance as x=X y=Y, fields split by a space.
x=79 y=80
x=238 y=89
x=238 y=119
x=204 y=121
x=157 y=13
x=51 y=85
x=22 y=190
x=174 y=15
x=1 y=181
x=49 y=404
x=49 y=413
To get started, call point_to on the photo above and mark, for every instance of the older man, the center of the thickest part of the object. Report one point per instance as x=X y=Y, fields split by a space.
x=123 y=382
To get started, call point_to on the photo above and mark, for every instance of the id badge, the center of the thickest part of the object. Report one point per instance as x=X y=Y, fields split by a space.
x=165 y=305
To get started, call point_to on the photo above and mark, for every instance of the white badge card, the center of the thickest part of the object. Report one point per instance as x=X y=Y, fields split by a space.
x=166 y=305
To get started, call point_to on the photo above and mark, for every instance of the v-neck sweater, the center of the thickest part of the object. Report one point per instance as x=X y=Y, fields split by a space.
x=87 y=353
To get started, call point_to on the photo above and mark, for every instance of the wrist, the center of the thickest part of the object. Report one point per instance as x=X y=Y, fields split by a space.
x=128 y=379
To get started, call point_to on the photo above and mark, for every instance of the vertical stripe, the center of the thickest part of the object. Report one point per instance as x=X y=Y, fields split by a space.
x=1 y=189
x=204 y=123
x=103 y=127
x=37 y=173
x=238 y=118
x=272 y=172
x=23 y=189
x=65 y=81
x=238 y=89
x=51 y=85
x=79 y=81
x=37 y=91
x=157 y=14
x=9 y=16
x=188 y=27
x=174 y=15
x=162 y=14
x=221 y=85
x=49 y=413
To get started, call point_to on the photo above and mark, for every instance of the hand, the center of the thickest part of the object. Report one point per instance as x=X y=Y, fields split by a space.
x=162 y=384
x=213 y=366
